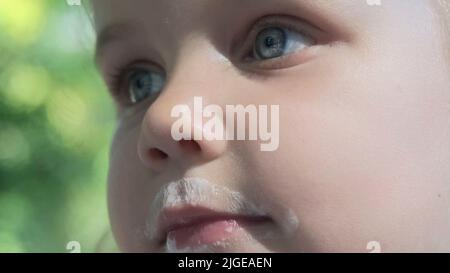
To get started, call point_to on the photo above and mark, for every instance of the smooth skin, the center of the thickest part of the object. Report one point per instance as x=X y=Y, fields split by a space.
x=364 y=152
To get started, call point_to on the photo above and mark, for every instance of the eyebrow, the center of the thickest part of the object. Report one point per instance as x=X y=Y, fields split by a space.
x=109 y=34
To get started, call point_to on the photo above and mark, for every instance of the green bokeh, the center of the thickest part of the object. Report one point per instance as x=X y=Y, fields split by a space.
x=56 y=123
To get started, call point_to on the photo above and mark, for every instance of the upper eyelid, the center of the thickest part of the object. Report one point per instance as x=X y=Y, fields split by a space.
x=287 y=21
x=124 y=39
x=124 y=71
x=138 y=65
x=250 y=32
x=283 y=20
x=142 y=63
x=115 y=32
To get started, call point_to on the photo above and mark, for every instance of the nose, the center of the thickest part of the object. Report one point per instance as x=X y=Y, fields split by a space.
x=157 y=146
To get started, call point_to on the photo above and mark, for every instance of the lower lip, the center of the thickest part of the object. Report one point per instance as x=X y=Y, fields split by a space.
x=203 y=234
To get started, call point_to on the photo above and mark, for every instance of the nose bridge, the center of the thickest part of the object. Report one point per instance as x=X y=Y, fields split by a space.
x=199 y=64
x=198 y=69
x=193 y=76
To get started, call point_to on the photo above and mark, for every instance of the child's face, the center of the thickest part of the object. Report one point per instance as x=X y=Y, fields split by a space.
x=364 y=124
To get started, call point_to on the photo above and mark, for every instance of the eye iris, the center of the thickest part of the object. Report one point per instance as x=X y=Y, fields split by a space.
x=270 y=43
x=143 y=84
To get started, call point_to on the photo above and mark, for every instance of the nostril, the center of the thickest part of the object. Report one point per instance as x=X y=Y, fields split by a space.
x=156 y=154
x=189 y=145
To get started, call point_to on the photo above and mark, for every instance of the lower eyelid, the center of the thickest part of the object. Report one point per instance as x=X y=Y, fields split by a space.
x=289 y=60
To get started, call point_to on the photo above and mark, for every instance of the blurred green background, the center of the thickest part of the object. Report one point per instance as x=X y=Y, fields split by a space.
x=56 y=124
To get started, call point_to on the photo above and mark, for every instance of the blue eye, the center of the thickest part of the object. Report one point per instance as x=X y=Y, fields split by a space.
x=274 y=42
x=143 y=83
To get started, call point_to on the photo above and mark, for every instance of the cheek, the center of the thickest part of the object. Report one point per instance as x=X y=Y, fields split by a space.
x=326 y=163
x=355 y=156
x=129 y=194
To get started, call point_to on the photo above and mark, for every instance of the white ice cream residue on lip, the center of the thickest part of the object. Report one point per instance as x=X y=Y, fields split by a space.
x=194 y=191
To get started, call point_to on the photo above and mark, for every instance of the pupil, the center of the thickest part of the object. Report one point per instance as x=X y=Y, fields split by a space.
x=270 y=41
x=140 y=83
x=143 y=80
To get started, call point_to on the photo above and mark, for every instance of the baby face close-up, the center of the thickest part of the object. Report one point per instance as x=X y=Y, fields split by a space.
x=360 y=133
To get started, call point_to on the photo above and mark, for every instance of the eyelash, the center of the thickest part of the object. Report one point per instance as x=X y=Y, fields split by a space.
x=282 y=21
x=119 y=76
x=116 y=79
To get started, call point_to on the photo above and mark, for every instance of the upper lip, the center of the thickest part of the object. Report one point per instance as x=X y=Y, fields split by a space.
x=189 y=201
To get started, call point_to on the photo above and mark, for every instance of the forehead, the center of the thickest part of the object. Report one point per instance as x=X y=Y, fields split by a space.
x=163 y=15
x=168 y=22
x=180 y=12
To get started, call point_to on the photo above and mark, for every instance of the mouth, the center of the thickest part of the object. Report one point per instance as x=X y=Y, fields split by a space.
x=192 y=215
x=194 y=227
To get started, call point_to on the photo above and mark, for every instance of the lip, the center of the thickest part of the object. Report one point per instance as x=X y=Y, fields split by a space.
x=189 y=220
x=193 y=207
